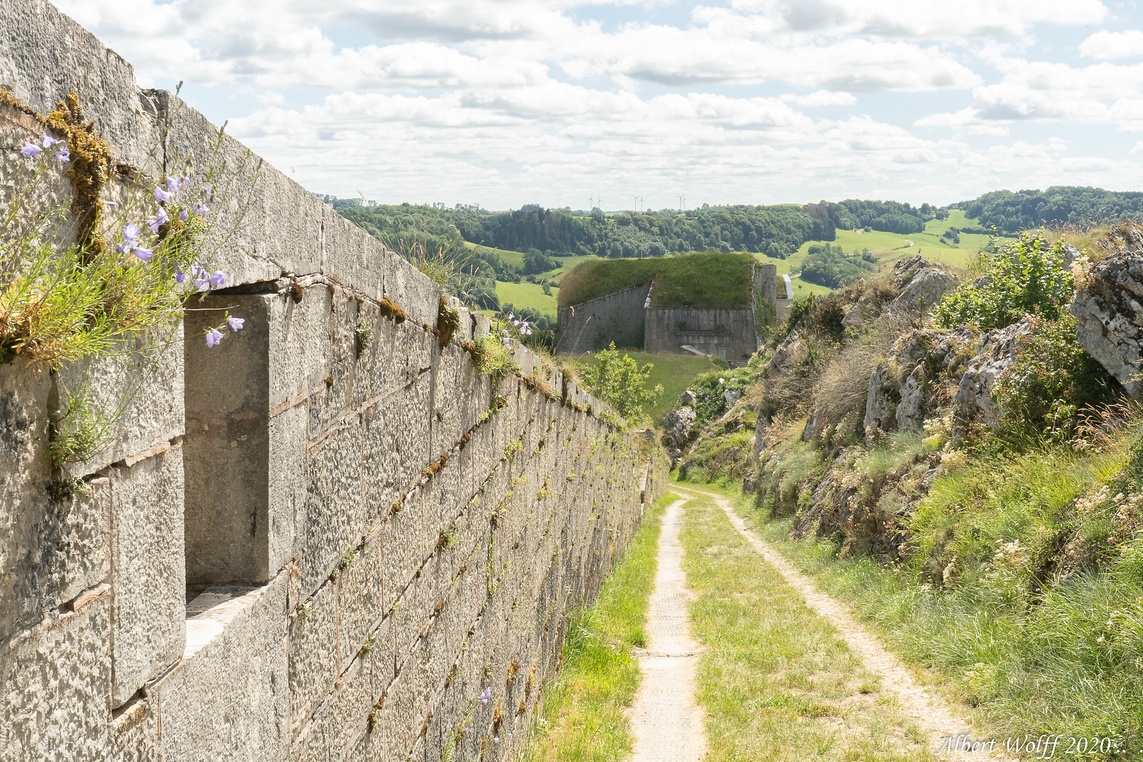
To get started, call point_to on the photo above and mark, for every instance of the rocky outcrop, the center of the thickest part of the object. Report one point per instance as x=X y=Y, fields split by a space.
x=974 y=402
x=916 y=285
x=679 y=431
x=1109 y=309
x=907 y=387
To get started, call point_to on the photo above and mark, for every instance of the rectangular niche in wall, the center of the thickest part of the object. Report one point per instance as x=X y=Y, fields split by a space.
x=227 y=450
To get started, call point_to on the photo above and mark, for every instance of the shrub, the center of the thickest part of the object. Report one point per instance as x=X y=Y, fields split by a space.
x=1052 y=379
x=620 y=382
x=1026 y=276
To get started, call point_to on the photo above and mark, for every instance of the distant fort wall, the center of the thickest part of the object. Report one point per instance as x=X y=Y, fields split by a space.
x=627 y=318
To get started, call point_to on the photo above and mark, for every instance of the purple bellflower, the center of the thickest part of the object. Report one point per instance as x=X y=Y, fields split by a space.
x=30 y=150
x=218 y=280
x=236 y=324
x=161 y=194
x=213 y=338
x=161 y=218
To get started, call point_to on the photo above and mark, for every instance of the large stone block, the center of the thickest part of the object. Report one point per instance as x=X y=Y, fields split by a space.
x=360 y=597
x=55 y=681
x=262 y=223
x=313 y=637
x=286 y=503
x=335 y=516
x=352 y=256
x=229 y=699
x=299 y=344
x=148 y=574
x=135 y=732
x=44 y=55
x=143 y=381
x=414 y=291
x=51 y=549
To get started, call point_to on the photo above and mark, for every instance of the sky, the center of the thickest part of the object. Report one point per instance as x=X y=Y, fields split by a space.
x=651 y=104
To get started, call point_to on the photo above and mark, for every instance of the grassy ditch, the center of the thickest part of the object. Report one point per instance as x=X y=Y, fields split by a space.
x=1021 y=588
x=584 y=713
x=776 y=681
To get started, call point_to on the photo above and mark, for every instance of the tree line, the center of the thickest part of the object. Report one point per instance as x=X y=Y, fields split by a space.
x=776 y=230
x=1010 y=212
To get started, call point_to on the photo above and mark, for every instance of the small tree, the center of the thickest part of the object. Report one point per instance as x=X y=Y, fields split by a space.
x=618 y=380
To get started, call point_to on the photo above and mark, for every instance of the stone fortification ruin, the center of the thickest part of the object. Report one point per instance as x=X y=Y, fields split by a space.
x=629 y=319
x=329 y=537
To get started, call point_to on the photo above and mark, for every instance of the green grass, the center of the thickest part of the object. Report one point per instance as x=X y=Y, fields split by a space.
x=891 y=247
x=525 y=295
x=965 y=605
x=583 y=716
x=674 y=372
x=707 y=279
x=775 y=680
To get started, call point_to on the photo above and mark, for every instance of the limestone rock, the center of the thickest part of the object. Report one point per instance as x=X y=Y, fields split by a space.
x=917 y=284
x=679 y=432
x=688 y=398
x=974 y=395
x=924 y=289
x=902 y=389
x=1110 y=314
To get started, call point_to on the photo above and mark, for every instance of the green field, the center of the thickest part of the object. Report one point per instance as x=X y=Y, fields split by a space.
x=525 y=295
x=891 y=247
x=674 y=372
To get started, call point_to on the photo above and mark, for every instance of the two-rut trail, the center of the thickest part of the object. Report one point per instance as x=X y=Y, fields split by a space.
x=667 y=722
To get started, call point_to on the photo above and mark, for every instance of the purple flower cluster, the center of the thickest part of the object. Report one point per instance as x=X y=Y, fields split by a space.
x=203 y=279
x=169 y=192
x=523 y=327
x=131 y=243
x=486 y=695
x=214 y=336
x=30 y=150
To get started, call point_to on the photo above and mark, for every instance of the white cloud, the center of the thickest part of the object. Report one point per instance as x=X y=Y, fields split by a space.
x=821 y=98
x=1111 y=46
x=935 y=18
x=504 y=102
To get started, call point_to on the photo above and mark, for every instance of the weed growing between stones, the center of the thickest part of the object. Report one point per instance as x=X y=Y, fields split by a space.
x=121 y=284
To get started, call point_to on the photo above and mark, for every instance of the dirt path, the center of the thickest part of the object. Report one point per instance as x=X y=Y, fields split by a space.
x=665 y=720
x=932 y=714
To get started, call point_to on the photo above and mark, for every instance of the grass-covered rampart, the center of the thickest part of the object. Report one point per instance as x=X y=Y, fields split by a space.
x=705 y=279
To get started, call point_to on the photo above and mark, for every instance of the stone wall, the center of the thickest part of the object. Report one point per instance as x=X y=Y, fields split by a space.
x=617 y=317
x=323 y=539
x=726 y=333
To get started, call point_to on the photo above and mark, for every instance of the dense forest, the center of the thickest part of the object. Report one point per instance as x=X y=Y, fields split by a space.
x=776 y=231
x=1058 y=205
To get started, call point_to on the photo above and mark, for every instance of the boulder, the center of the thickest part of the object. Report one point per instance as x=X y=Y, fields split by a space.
x=678 y=433
x=923 y=290
x=1109 y=310
x=974 y=401
x=902 y=388
x=917 y=284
